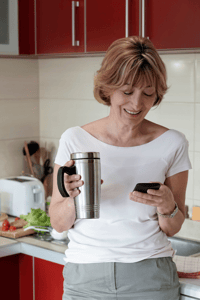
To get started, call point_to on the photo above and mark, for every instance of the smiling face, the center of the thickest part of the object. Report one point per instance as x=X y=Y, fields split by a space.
x=130 y=105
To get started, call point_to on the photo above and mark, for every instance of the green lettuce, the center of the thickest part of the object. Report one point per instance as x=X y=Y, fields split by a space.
x=37 y=217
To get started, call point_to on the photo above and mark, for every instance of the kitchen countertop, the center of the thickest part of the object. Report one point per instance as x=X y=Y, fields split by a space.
x=34 y=247
x=56 y=253
x=29 y=244
x=190 y=287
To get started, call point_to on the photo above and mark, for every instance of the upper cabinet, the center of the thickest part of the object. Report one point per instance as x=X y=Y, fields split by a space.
x=27 y=34
x=60 y=26
x=107 y=21
x=86 y=26
x=173 y=24
x=17 y=32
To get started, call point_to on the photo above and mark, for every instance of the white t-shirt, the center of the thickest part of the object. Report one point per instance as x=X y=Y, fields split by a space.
x=126 y=231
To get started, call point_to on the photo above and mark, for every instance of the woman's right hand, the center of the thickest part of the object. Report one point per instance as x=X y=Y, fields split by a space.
x=72 y=182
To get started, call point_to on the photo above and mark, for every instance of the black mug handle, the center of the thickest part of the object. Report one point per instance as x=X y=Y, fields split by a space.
x=60 y=178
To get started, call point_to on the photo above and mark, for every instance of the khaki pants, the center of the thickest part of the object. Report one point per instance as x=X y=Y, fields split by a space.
x=151 y=279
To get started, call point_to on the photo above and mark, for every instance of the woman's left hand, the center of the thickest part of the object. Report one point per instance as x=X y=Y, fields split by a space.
x=163 y=198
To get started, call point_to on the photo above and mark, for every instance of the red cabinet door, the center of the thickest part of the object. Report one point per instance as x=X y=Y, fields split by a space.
x=173 y=24
x=25 y=277
x=26 y=19
x=48 y=280
x=16 y=279
x=54 y=26
x=9 y=277
x=106 y=22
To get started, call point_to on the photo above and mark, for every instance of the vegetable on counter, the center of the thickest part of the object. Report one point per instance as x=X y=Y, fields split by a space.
x=12 y=228
x=5 y=225
x=37 y=217
x=5 y=228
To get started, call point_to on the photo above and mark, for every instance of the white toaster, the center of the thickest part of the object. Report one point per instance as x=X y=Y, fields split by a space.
x=21 y=193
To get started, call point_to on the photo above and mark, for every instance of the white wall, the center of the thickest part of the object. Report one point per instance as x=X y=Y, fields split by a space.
x=64 y=88
x=19 y=111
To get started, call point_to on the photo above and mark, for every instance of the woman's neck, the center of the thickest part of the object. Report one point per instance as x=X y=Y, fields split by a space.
x=123 y=134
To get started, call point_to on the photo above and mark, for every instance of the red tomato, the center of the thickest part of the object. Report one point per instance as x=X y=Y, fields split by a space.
x=12 y=228
x=17 y=218
x=5 y=228
x=6 y=223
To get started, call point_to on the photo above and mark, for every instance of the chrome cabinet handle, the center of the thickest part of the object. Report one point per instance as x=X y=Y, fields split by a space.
x=74 y=5
x=142 y=19
x=126 y=18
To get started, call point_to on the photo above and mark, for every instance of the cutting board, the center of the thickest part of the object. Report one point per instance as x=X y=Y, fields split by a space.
x=17 y=233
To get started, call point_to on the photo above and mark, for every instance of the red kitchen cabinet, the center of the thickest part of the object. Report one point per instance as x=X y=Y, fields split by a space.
x=173 y=24
x=106 y=22
x=16 y=279
x=17 y=35
x=48 y=280
x=45 y=27
x=26 y=19
x=54 y=26
x=9 y=278
x=25 y=277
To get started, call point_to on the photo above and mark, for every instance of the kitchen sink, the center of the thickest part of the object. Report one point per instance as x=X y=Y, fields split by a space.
x=184 y=247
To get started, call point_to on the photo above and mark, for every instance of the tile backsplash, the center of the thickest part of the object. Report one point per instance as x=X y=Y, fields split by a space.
x=19 y=111
x=40 y=99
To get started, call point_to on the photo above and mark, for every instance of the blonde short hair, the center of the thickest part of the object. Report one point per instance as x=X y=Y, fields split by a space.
x=133 y=60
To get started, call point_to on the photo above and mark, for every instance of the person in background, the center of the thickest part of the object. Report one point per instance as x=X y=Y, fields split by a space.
x=125 y=254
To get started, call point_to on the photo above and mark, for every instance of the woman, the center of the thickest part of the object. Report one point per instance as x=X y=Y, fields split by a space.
x=125 y=254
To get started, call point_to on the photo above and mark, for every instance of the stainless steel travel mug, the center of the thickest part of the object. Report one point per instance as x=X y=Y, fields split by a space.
x=87 y=164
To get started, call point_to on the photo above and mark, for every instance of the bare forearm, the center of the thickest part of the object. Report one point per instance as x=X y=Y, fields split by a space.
x=62 y=214
x=171 y=225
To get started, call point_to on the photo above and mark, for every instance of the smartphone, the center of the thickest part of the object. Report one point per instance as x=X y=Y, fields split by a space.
x=143 y=187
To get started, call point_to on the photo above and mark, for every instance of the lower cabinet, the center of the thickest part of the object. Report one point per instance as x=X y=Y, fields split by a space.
x=9 y=277
x=24 y=277
x=48 y=280
x=26 y=291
